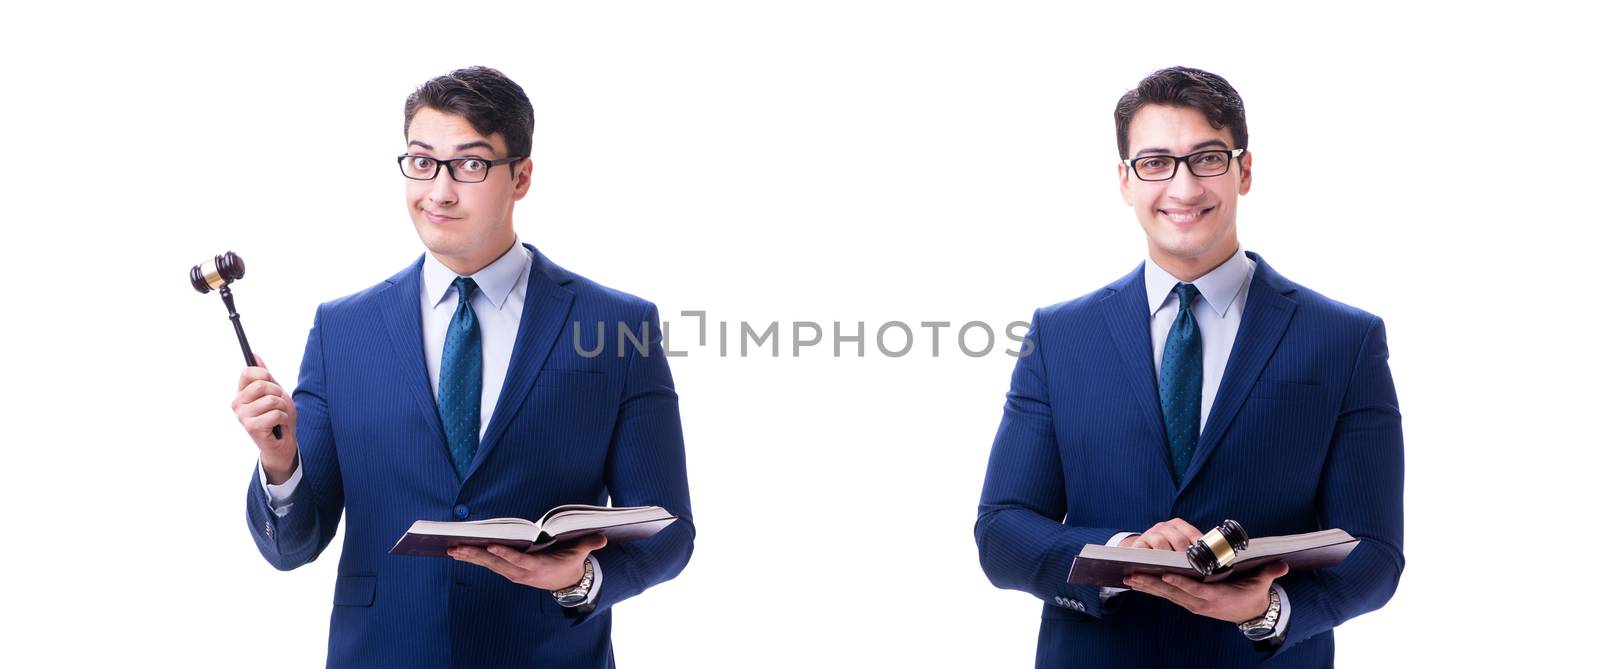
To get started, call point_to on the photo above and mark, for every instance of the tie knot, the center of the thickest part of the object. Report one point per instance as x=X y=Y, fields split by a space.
x=1186 y=293
x=464 y=287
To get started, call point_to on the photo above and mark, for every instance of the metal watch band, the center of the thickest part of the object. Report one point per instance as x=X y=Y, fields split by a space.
x=576 y=593
x=1261 y=628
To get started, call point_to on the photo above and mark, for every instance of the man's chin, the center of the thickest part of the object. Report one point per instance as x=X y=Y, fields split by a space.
x=442 y=251
x=437 y=241
x=1185 y=243
x=1188 y=247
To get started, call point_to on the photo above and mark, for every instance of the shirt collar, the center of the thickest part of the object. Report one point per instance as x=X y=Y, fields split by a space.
x=1219 y=287
x=495 y=281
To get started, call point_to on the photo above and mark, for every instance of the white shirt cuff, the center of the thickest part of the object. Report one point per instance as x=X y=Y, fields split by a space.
x=1283 y=610
x=279 y=497
x=1107 y=593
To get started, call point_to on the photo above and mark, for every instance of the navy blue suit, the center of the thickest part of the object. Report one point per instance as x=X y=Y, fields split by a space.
x=568 y=428
x=1304 y=434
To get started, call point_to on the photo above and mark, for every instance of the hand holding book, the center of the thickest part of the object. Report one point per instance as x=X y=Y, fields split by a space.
x=552 y=569
x=1235 y=601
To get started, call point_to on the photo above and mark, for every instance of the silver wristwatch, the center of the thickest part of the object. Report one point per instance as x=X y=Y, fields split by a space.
x=1261 y=628
x=579 y=593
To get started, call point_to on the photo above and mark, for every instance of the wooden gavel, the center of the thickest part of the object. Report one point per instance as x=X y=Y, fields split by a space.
x=217 y=273
x=1215 y=551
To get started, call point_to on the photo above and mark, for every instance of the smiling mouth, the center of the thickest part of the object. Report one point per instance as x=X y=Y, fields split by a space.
x=437 y=218
x=1187 y=216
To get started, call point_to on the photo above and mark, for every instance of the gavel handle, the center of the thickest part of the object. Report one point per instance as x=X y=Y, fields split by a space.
x=244 y=344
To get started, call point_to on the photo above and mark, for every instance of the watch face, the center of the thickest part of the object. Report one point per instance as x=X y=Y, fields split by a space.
x=572 y=599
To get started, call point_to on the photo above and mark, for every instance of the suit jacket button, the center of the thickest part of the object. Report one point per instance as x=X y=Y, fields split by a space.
x=461 y=512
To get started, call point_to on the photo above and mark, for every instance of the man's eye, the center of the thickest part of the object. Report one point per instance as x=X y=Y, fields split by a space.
x=472 y=165
x=1160 y=163
x=1209 y=160
x=421 y=163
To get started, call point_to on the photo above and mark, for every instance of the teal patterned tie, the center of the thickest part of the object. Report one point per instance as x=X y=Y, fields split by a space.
x=461 y=379
x=1182 y=368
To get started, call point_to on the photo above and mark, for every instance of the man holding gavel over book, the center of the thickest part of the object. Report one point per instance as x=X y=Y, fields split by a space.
x=455 y=390
x=1202 y=386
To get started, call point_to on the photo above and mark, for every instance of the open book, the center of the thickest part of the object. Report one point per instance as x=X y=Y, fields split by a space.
x=429 y=538
x=1106 y=566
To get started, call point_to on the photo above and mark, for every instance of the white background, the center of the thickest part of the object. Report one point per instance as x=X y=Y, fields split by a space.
x=809 y=161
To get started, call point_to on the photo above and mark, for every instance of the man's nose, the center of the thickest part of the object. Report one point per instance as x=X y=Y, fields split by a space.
x=443 y=190
x=1184 y=186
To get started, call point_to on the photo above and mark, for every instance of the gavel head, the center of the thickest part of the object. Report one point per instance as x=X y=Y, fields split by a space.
x=217 y=272
x=1216 y=550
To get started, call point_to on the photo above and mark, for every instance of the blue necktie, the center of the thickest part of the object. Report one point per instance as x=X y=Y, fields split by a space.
x=1182 y=367
x=461 y=379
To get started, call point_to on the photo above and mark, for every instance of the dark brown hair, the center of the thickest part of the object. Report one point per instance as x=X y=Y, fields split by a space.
x=1185 y=87
x=489 y=100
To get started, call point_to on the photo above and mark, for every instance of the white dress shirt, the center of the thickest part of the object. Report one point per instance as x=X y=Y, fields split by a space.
x=497 y=306
x=1218 y=310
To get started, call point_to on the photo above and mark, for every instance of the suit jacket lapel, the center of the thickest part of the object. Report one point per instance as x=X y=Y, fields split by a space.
x=401 y=304
x=544 y=317
x=1127 y=314
x=1266 y=317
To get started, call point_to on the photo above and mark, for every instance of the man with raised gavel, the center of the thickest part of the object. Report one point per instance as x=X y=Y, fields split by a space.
x=455 y=390
x=1202 y=386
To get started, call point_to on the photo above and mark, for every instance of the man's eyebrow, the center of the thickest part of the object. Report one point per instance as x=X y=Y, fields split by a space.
x=477 y=143
x=1210 y=143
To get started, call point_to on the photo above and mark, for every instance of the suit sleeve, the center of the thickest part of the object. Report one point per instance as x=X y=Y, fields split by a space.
x=308 y=525
x=1361 y=492
x=645 y=467
x=1025 y=538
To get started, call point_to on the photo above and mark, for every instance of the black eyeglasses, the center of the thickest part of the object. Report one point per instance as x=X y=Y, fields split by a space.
x=1209 y=163
x=463 y=170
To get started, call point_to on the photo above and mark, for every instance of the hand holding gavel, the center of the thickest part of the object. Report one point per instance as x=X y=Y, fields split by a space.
x=262 y=407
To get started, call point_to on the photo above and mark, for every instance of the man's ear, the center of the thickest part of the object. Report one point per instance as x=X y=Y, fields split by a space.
x=1245 y=162
x=522 y=180
x=1122 y=179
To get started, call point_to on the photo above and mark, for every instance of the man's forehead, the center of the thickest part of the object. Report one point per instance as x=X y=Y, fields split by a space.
x=1169 y=128
x=435 y=130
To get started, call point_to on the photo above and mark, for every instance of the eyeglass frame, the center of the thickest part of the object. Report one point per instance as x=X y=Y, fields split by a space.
x=450 y=166
x=1233 y=154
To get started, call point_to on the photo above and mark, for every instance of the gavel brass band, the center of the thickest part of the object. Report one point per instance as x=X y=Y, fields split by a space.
x=1216 y=550
x=208 y=270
